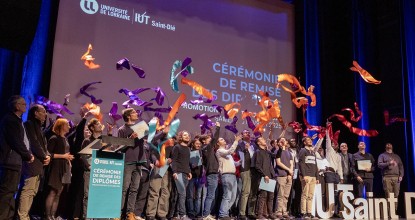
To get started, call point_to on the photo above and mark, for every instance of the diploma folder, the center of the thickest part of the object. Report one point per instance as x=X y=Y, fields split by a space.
x=364 y=164
x=270 y=186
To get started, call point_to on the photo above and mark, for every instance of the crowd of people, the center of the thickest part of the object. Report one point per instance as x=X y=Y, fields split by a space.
x=224 y=184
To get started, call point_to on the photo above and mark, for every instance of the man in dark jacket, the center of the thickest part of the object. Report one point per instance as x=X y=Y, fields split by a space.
x=265 y=170
x=14 y=147
x=363 y=173
x=247 y=149
x=134 y=155
x=33 y=172
x=211 y=164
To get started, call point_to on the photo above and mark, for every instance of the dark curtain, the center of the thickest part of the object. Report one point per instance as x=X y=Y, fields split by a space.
x=374 y=34
x=29 y=74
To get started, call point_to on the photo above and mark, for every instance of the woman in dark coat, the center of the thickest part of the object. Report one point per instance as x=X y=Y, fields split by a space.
x=60 y=170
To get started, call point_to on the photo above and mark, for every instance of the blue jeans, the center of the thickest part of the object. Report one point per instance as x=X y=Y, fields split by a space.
x=182 y=181
x=194 y=196
x=238 y=191
x=212 y=184
x=229 y=185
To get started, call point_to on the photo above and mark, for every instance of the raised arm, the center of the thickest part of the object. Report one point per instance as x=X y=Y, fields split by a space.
x=216 y=135
x=318 y=144
x=225 y=152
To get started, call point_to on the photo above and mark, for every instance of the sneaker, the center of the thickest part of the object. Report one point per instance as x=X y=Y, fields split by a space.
x=139 y=218
x=184 y=217
x=209 y=217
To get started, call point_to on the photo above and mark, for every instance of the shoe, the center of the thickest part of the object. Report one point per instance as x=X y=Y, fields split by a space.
x=273 y=216
x=304 y=216
x=184 y=217
x=313 y=217
x=261 y=217
x=242 y=217
x=150 y=218
x=288 y=216
x=130 y=216
x=278 y=214
x=335 y=215
x=139 y=218
x=209 y=217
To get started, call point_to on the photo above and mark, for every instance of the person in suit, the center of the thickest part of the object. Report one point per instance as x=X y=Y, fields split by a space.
x=14 y=149
x=33 y=172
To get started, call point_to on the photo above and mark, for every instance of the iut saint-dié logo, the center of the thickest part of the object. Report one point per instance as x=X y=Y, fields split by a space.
x=89 y=6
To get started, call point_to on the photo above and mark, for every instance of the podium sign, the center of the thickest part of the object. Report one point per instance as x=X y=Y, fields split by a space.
x=105 y=185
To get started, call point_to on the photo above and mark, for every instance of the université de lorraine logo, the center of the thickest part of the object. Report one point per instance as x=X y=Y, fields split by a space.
x=89 y=6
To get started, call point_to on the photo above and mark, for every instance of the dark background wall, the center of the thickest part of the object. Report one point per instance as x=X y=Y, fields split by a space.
x=371 y=32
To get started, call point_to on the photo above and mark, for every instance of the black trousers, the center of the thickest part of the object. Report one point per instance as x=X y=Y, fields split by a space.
x=9 y=182
x=295 y=198
x=368 y=183
x=142 y=193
